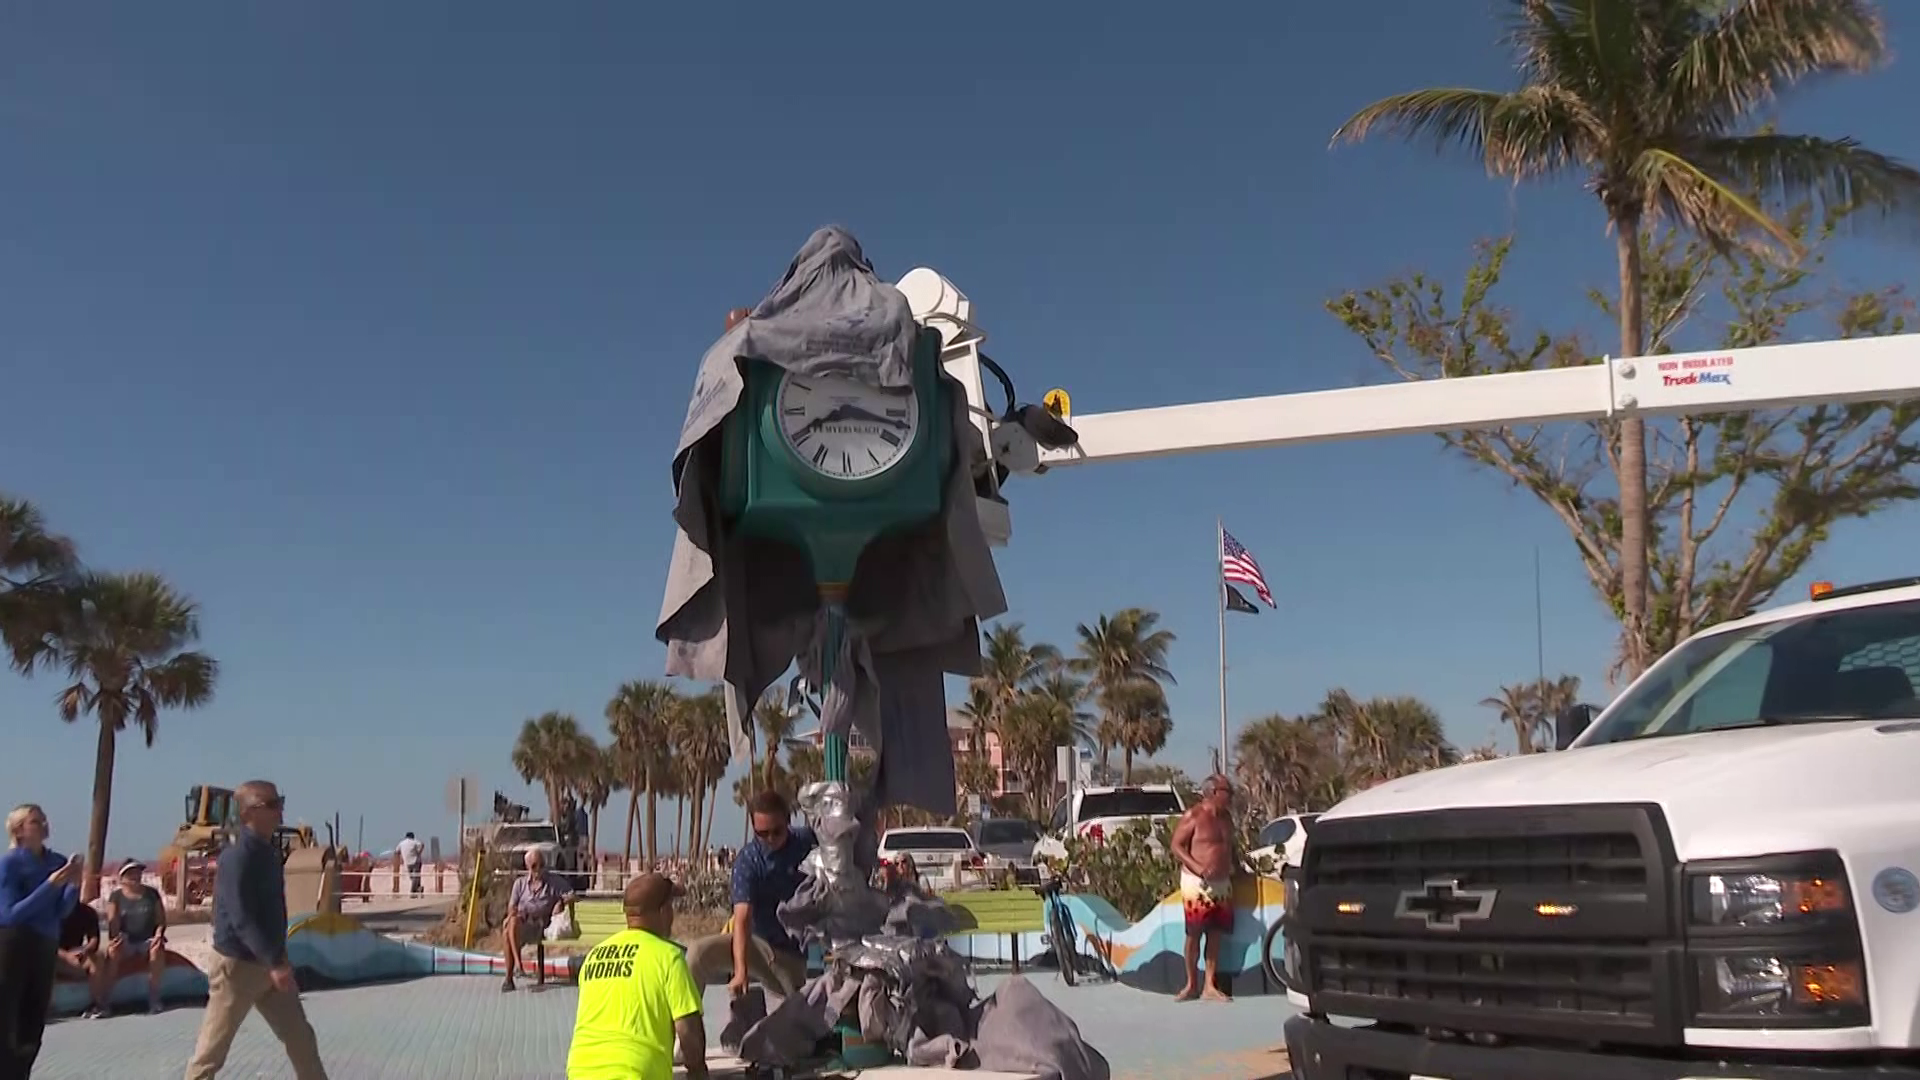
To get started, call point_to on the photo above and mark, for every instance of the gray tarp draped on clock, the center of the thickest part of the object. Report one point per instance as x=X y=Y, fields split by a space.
x=739 y=610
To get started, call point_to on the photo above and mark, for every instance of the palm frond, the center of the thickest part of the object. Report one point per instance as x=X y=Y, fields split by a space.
x=1675 y=188
x=1756 y=48
x=1829 y=173
x=1529 y=132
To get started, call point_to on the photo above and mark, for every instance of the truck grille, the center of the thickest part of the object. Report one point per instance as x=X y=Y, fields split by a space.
x=1553 y=922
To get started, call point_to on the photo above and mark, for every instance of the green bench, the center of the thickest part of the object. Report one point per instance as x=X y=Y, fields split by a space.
x=597 y=918
x=1012 y=912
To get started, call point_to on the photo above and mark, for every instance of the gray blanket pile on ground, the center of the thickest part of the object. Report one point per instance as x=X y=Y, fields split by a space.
x=891 y=968
x=914 y=996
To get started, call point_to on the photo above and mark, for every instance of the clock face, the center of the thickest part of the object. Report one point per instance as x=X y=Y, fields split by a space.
x=844 y=428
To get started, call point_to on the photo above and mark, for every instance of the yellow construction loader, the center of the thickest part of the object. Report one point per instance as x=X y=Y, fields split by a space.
x=207 y=827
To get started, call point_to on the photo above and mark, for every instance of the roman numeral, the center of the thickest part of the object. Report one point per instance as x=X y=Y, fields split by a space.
x=798 y=385
x=846 y=462
x=892 y=439
x=896 y=414
x=819 y=455
x=795 y=410
x=802 y=436
x=874 y=456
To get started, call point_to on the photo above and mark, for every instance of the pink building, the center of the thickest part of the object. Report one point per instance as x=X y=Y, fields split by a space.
x=960 y=735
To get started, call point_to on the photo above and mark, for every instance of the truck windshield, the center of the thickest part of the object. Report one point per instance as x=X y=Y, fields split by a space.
x=518 y=835
x=1859 y=663
x=1129 y=802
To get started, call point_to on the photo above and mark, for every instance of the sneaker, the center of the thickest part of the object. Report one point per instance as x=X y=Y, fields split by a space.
x=507 y=987
x=154 y=1008
x=93 y=1012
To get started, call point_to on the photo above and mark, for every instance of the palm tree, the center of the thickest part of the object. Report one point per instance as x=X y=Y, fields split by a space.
x=1115 y=652
x=122 y=641
x=598 y=779
x=701 y=748
x=774 y=719
x=1009 y=665
x=639 y=715
x=1140 y=718
x=1287 y=766
x=1519 y=708
x=1045 y=717
x=36 y=566
x=1656 y=104
x=553 y=750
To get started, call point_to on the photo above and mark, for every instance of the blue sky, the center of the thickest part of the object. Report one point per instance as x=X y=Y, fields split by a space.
x=371 y=328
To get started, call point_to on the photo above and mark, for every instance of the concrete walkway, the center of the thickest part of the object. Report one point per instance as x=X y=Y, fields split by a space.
x=458 y=1028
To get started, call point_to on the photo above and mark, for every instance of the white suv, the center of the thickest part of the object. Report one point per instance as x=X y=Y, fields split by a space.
x=1720 y=876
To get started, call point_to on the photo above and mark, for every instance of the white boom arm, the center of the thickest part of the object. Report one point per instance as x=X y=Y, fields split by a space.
x=1862 y=369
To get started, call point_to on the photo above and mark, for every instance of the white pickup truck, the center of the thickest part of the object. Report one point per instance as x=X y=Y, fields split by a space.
x=1716 y=877
x=1108 y=809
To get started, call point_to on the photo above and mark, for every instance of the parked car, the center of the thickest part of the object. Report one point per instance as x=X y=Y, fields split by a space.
x=1108 y=809
x=941 y=852
x=1284 y=840
x=1008 y=842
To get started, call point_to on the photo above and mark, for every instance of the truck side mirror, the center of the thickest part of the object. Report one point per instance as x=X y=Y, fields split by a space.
x=1570 y=722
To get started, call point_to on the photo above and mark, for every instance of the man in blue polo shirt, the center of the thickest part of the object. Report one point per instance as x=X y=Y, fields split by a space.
x=766 y=874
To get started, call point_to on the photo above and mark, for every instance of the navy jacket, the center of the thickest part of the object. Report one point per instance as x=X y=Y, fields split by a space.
x=27 y=899
x=250 y=902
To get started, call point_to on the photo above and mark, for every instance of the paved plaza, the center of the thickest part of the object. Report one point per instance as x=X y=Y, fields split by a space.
x=462 y=1028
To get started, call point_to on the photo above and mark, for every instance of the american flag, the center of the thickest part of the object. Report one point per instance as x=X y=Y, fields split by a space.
x=1238 y=564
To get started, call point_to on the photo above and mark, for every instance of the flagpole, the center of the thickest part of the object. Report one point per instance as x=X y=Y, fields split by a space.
x=1220 y=594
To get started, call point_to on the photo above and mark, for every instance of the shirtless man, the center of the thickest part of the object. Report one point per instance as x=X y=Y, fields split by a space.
x=1203 y=845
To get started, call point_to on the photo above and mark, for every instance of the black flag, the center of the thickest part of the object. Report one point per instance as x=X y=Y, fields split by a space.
x=1236 y=602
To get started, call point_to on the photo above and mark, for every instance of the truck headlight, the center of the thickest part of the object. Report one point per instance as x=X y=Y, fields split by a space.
x=1797 y=896
x=1782 y=989
x=1774 y=942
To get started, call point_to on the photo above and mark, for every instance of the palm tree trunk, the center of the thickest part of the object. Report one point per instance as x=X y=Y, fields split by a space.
x=653 y=826
x=593 y=847
x=633 y=821
x=679 y=823
x=713 y=808
x=1633 y=458
x=1126 y=765
x=102 y=809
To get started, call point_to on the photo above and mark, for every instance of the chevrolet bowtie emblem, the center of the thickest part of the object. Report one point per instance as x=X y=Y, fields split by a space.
x=1444 y=905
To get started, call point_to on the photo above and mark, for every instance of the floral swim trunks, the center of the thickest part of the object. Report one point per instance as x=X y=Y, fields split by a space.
x=1208 y=904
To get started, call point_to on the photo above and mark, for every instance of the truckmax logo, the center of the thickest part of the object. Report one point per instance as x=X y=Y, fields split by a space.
x=1696 y=378
x=1444 y=905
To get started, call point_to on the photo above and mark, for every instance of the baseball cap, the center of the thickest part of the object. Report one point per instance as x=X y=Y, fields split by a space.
x=133 y=866
x=650 y=892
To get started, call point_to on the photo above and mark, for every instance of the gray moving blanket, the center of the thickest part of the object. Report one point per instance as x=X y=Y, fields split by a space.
x=739 y=610
x=914 y=996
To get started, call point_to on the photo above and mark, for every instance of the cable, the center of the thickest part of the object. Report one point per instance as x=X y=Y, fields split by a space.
x=1006 y=383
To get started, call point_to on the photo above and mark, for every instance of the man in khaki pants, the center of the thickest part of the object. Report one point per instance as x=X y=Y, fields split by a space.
x=249 y=968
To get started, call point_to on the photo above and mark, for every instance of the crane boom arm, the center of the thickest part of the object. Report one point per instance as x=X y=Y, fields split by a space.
x=1725 y=380
x=1721 y=380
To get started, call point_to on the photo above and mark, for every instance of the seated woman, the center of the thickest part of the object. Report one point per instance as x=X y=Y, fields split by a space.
x=136 y=935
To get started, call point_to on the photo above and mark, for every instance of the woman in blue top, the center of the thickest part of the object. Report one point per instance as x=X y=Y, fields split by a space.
x=38 y=888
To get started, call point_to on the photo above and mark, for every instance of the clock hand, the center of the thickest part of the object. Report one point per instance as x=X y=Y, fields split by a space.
x=856 y=412
x=832 y=416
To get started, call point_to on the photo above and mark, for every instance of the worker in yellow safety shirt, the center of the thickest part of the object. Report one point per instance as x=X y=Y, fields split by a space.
x=636 y=995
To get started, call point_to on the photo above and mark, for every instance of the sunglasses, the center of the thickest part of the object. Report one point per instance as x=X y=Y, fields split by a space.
x=278 y=802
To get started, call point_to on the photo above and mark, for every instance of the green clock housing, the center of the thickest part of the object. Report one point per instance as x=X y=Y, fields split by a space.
x=830 y=463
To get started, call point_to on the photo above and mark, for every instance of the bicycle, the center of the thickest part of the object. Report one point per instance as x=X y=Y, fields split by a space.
x=1277 y=965
x=1060 y=931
